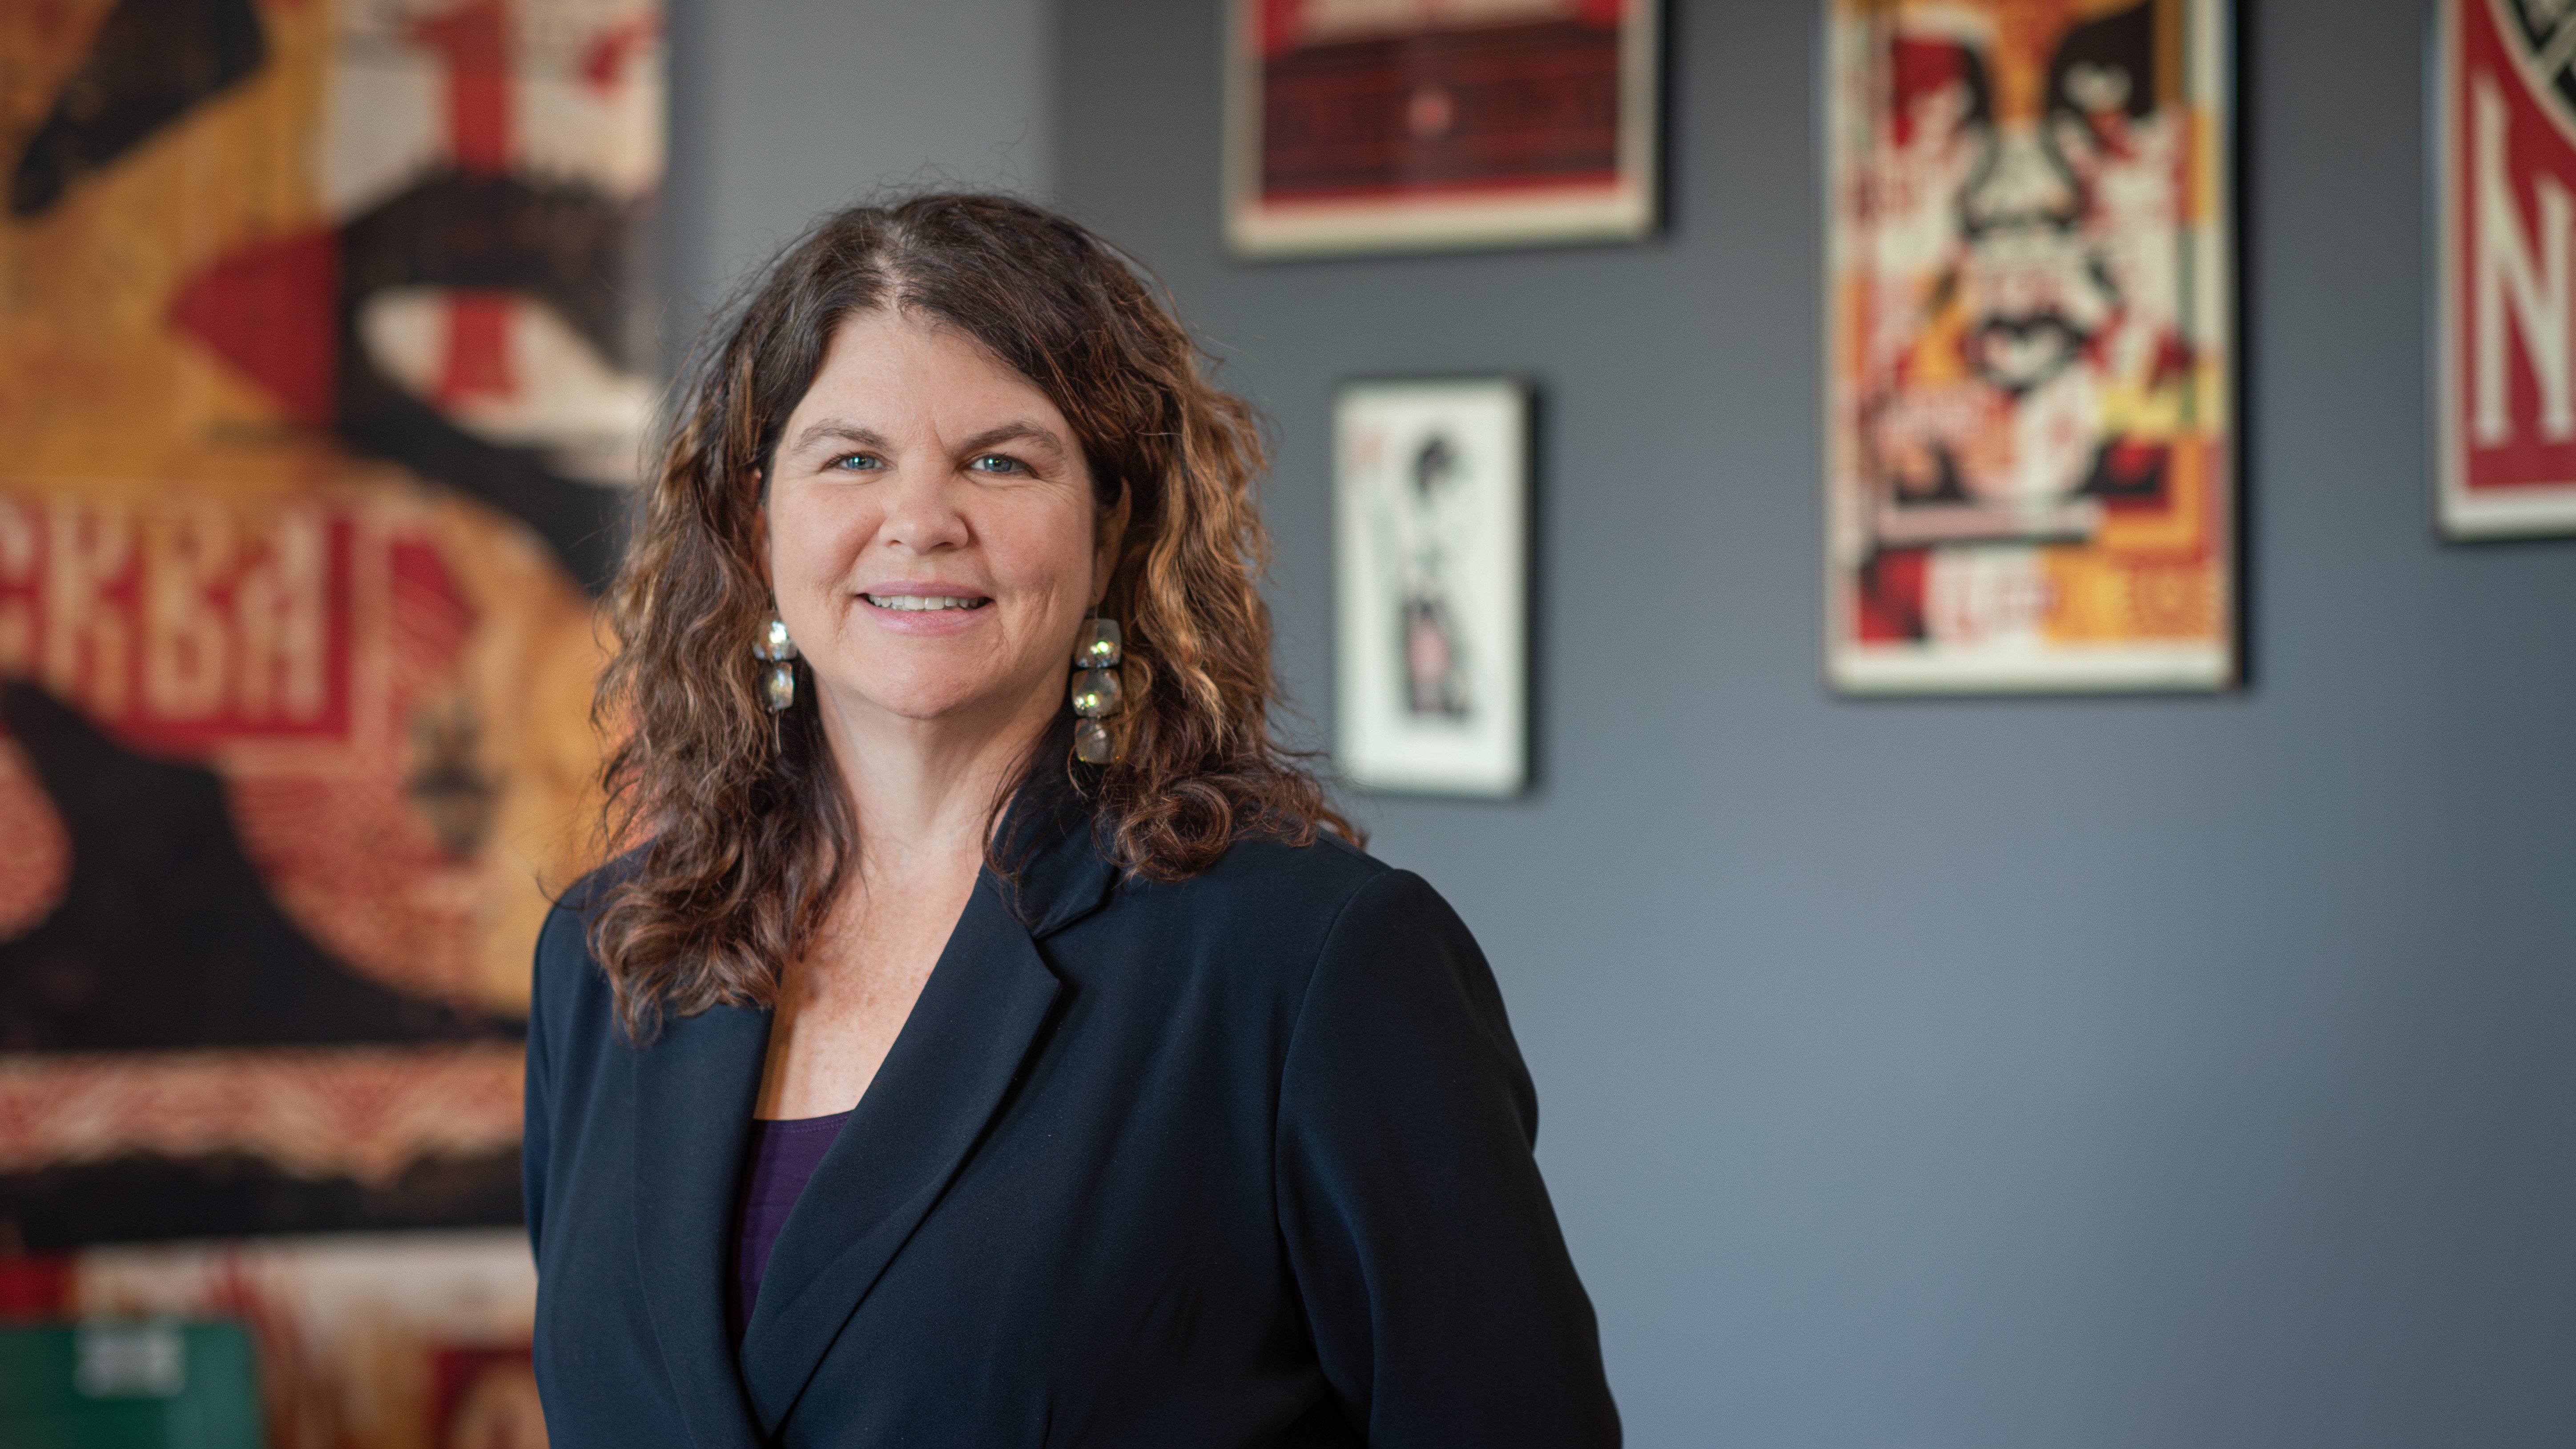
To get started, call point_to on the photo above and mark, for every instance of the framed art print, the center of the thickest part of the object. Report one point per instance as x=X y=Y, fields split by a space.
x=2504 y=398
x=2030 y=446
x=1431 y=501
x=1415 y=125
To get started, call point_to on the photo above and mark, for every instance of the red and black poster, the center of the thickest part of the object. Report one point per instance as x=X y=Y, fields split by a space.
x=1415 y=125
x=2504 y=387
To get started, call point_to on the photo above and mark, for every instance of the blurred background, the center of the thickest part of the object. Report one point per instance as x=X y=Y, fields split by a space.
x=1923 y=1073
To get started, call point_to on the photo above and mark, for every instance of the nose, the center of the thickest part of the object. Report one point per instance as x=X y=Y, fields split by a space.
x=922 y=514
x=2021 y=183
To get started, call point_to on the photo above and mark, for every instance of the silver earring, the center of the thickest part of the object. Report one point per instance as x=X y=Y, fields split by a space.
x=1096 y=690
x=778 y=686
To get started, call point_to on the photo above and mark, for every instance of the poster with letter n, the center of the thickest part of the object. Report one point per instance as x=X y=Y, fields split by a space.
x=2030 y=445
x=2504 y=401
x=1419 y=125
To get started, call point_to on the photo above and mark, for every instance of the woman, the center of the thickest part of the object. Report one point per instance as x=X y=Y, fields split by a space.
x=954 y=1067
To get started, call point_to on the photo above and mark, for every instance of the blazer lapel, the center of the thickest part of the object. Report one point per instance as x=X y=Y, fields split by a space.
x=694 y=1091
x=948 y=1072
x=1062 y=876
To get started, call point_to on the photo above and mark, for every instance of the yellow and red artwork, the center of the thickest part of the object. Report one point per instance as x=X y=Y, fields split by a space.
x=2504 y=391
x=2030 y=451
x=323 y=361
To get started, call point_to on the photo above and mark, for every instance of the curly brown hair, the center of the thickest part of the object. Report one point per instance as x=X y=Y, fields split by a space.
x=747 y=833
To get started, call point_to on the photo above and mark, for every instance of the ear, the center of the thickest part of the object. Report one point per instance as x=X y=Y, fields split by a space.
x=1113 y=532
x=760 y=532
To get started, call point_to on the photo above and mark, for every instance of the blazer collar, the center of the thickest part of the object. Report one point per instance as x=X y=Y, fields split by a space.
x=1059 y=874
x=949 y=1073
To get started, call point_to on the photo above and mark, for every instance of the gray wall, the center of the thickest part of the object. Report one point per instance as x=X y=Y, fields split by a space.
x=1978 y=1073
x=784 y=108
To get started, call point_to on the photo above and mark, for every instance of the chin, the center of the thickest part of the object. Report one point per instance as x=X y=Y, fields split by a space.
x=930 y=701
x=923 y=708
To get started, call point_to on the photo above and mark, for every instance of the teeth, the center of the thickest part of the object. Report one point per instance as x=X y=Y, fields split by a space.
x=919 y=603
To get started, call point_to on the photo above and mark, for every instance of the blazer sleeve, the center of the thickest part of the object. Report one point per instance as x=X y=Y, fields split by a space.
x=1443 y=1305
x=562 y=931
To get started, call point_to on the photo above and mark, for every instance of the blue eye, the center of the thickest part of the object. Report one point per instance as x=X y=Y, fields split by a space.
x=996 y=463
x=856 y=462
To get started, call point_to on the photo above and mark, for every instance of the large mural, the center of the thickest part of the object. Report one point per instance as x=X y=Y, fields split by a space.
x=323 y=359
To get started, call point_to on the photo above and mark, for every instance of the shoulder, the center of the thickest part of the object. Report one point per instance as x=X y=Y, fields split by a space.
x=1326 y=866
x=567 y=928
x=570 y=987
x=1263 y=883
x=1298 y=910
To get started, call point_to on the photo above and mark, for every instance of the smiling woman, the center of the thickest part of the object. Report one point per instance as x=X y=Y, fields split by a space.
x=932 y=536
x=995 y=1036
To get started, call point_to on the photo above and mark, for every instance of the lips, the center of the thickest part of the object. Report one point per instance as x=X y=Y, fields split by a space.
x=925 y=603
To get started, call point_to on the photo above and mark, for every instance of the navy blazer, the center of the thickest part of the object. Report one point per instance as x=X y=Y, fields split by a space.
x=1243 y=1160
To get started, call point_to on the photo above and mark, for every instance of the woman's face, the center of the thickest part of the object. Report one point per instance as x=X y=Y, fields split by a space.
x=930 y=531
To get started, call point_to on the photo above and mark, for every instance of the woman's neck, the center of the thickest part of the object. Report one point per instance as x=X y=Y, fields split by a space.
x=923 y=791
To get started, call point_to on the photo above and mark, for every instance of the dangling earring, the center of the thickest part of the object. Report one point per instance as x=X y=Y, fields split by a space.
x=1096 y=690
x=778 y=686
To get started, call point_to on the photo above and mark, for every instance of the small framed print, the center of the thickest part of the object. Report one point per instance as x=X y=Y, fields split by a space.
x=1431 y=505
x=2030 y=448
x=2504 y=392
x=1420 y=125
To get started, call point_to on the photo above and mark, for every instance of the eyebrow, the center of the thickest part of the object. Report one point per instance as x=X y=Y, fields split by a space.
x=1018 y=432
x=843 y=430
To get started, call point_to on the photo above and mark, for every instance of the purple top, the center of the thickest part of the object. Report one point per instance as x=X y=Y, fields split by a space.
x=774 y=1170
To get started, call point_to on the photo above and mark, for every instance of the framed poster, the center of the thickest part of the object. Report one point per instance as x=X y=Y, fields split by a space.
x=1417 y=125
x=2030 y=449
x=1431 y=503
x=2504 y=398
x=325 y=360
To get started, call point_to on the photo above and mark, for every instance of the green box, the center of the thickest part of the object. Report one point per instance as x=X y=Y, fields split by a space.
x=129 y=1385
